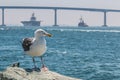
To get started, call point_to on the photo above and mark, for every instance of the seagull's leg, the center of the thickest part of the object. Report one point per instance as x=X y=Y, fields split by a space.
x=34 y=63
x=43 y=65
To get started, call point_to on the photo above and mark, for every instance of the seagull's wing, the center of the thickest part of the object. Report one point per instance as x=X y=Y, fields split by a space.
x=27 y=42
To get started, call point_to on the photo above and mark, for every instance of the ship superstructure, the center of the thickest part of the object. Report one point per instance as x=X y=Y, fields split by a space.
x=82 y=23
x=32 y=22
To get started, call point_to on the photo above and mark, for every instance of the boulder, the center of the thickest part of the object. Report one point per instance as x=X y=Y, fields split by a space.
x=17 y=73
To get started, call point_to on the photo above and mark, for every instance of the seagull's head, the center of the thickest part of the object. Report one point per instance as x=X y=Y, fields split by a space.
x=41 y=32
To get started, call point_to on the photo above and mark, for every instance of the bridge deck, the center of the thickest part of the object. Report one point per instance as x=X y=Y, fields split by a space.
x=59 y=8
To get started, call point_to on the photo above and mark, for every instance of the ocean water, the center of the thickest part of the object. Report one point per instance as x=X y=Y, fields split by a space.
x=84 y=53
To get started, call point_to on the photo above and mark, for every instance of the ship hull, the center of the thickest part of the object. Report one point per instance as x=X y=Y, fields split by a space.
x=31 y=23
x=82 y=25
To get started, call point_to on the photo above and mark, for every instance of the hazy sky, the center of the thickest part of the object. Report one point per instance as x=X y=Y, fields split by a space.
x=64 y=17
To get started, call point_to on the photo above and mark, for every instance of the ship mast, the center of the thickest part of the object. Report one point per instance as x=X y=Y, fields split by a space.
x=33 y=18
x=81 y=20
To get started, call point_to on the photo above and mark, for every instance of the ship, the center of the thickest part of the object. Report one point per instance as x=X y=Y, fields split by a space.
x=82 y=23
x=32 y=21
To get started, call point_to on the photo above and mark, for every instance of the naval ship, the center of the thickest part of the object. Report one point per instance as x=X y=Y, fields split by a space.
x=32 y=21
x=82 y=23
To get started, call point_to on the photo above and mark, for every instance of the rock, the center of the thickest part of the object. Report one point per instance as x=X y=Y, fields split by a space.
x=16 y=73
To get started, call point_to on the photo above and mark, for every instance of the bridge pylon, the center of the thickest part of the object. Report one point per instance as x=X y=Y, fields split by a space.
x=55 y=17
x=3 y=18
x=105 y=19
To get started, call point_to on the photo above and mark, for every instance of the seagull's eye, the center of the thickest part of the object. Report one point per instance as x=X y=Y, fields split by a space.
x=42 y=32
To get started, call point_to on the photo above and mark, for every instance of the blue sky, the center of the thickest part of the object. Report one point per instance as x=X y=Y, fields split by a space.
x=64 y=17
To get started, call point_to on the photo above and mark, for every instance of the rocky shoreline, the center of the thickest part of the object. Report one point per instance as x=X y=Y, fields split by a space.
x=17 y=73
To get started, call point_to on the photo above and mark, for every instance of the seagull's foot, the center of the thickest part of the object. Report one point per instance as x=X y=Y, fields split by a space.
x=44 y=68
x=36 y=69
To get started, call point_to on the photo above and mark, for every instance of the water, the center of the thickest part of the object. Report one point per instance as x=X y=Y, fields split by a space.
x=85 y=53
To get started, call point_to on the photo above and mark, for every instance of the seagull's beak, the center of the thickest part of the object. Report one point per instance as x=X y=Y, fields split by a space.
x=49 y=35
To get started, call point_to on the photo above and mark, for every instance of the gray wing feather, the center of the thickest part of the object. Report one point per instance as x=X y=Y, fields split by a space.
x=27 y=42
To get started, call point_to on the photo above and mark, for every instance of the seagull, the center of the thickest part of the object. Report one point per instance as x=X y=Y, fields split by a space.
x=36 y=46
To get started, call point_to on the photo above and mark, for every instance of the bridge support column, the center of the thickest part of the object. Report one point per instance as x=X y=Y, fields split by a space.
x=105 y=20
x=55 y=17
x=3 y=17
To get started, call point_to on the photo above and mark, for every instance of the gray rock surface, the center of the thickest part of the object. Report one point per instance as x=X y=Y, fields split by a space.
x=16 y=73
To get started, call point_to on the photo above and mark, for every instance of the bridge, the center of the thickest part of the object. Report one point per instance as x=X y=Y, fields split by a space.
x=104 y=11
